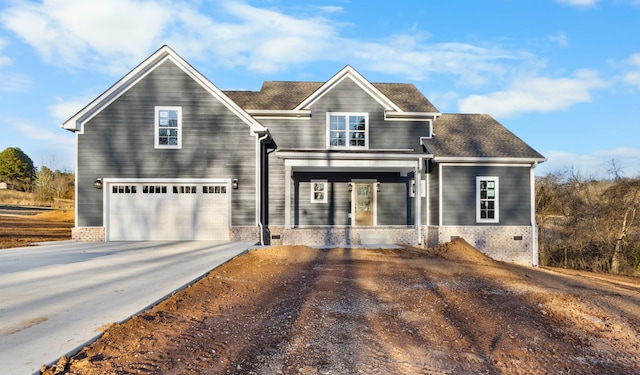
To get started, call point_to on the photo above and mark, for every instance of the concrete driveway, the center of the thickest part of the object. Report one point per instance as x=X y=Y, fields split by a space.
x=54 y=298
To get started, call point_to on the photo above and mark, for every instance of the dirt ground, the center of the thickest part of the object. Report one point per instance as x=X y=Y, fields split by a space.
x=23 y=229
x=298 y=310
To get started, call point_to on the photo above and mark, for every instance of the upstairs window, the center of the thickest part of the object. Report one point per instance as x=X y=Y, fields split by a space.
x=347 y=130
x=168 y=127
x=487 y=199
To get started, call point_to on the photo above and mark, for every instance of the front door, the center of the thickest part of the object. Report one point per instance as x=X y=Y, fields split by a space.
x=364 y=204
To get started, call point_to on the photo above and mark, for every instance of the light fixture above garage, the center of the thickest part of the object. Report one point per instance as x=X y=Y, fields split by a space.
x=234 y=184
x=98 y=183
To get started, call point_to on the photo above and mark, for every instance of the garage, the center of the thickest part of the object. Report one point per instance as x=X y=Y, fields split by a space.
x=167 y=210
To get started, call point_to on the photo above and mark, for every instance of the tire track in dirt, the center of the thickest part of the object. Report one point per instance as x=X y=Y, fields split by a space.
x=296 y=310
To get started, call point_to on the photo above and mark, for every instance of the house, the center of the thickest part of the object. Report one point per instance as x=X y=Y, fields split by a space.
x=164 y=154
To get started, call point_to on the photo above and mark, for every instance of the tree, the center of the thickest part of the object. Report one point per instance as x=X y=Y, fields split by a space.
x=16 y=167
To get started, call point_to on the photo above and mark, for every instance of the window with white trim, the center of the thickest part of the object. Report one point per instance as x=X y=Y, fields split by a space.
x=487 y=199
x=168 y=127
x=319 y=191
x=347 y=130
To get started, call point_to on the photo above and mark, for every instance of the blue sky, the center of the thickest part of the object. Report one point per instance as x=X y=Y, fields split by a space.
x=564 y=75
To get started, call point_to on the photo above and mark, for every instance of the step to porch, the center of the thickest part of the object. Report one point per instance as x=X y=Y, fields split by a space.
x=375 y=239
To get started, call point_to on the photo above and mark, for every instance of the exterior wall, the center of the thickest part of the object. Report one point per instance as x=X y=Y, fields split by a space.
x=88 y=234
x=459 y=194
x=310 y=133
x=244 y=234
x=97 y=234
x=339 y=235
x=394 y=207
x=434 y=194
x=510 y=244
x=119 y=143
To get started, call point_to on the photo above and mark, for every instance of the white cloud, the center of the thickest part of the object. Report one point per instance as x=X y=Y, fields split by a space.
x=535 y=94
x=410 y=55
x=14 y=82
x=106 y=33
x=579 y=3
x=62 y=110
x=4 y=60
x=632 y=76
x=560 y=39
x=593 y=165
x=114 y=35
x=30 y=131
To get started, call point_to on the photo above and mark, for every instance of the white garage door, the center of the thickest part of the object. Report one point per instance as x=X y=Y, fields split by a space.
x=167 y=211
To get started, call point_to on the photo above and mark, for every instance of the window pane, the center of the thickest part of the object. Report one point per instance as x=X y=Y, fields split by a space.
x=337 y=139
x=337 y=122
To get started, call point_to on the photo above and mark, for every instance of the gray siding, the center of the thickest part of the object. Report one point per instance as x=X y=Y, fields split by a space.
x=434 y=193
x=349 y=97
x=311 y=134
x=459 y=194
x=119 y=143
x=394 y=205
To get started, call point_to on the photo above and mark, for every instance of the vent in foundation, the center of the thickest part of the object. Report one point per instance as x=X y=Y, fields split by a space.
x=275 y=237
x=517 y=238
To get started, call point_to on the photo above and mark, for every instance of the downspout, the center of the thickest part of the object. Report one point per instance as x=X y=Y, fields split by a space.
x=534 y=225
x=418 y=198
x=259 y=180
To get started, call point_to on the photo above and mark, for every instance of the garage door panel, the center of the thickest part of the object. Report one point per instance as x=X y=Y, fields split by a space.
x=168 y=211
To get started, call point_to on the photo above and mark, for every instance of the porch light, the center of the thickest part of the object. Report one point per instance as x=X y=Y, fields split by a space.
x=350 y=187
x=378 y=187
x=98 y=183
x=234 y=184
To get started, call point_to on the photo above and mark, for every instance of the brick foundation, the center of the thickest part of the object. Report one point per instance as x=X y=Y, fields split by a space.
x=88 y=234
x=509 y=244
x=244 y=234
x=340 y=235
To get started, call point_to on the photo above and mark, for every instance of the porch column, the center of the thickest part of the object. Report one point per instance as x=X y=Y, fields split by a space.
x=287 y=196
x=417 y=173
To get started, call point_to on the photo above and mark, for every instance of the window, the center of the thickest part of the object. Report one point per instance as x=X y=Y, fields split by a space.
x=347 y=130
x=123 y=189
x=487 y=198
x=319 y=191
x=153 y=189
x=215 y=189
x=168 y=127
x=184 y=189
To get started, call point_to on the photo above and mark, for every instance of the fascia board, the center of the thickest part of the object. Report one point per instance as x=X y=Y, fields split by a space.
x=479 y=160
x=350 y=156
x=411 y=116
x=349 y=72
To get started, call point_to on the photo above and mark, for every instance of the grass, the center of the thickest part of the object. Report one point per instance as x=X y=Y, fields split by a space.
x=66 y=216
x=21 y=198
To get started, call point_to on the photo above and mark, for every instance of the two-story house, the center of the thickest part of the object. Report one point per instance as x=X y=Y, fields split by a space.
x=164 y=154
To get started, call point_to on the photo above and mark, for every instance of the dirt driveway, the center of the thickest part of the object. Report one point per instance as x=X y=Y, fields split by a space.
x=297 y=310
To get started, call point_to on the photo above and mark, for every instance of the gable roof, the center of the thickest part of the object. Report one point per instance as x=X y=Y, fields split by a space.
x=287 y=95
x=165 y=53
x=476 y=136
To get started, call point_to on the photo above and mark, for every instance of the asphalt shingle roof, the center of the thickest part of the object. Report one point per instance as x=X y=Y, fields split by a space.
x=474 y=135
x=282 y=95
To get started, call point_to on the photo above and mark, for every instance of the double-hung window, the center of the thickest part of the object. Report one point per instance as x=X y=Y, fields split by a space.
x=168 y=127
x=347 y=130
x=487 y=199
x=319 y=191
